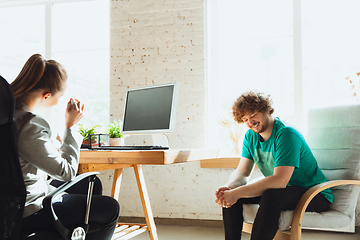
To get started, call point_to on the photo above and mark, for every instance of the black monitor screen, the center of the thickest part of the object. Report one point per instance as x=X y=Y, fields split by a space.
x=148 y=109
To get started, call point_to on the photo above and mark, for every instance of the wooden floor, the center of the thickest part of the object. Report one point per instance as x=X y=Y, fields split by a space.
x=171 y=232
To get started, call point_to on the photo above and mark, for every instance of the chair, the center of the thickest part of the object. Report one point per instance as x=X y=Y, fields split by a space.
x=334 y=137
x=13 y=192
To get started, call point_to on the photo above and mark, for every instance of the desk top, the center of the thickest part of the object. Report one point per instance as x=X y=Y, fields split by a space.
x=159 y=157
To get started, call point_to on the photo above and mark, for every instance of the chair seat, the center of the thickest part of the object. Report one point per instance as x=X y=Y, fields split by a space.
x=333 y=220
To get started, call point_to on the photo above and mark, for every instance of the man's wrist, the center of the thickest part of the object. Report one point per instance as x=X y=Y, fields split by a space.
x=237 y=192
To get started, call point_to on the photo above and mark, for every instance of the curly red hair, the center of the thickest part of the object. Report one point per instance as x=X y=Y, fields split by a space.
x=250 y=102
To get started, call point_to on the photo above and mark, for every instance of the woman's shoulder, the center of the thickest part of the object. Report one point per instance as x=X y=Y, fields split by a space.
x=25 y=120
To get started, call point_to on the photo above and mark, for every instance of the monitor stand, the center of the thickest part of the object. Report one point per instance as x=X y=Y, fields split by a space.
x=160 y=140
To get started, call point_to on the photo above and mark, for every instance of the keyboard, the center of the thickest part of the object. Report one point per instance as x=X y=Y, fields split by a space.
x=131 y=148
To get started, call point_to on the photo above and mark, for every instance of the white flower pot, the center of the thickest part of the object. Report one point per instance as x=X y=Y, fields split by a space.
x=116 y=141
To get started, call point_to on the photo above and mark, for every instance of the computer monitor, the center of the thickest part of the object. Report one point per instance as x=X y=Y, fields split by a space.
x=150 y=109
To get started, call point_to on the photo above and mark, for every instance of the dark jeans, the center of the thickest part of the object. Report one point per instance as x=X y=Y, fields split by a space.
x=272 y=202
x=71 y=208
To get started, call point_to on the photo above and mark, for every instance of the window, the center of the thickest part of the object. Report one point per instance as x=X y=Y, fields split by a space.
x=81 y=42
x=331 y=51
x=255 y=45
x=77 y=37
x=20 y=37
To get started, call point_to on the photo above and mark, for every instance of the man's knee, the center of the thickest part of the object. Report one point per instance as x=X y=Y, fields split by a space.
x=271 y=197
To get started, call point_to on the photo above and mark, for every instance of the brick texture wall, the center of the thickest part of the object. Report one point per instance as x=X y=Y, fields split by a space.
x=153 y=42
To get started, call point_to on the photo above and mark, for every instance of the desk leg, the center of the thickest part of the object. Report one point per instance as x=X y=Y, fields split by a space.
x=145 y=202
x=116 y=183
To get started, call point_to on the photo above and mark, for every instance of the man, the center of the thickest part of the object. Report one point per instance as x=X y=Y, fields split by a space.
x=283 y=157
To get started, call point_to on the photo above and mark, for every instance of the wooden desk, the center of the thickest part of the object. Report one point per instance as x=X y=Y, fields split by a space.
x=91 y=160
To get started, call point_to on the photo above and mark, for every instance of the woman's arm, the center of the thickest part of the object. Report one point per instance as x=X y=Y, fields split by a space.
x=36 y=147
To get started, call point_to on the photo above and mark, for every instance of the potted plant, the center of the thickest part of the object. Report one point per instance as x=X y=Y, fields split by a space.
x=85 y=132
x=114 y=131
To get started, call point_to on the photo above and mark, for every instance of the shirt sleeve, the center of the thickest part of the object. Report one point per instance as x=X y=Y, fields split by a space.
x=246 y=152
x=288 y=148
x=36 y=147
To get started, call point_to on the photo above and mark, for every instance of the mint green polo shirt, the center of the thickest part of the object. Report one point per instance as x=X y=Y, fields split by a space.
x=285 y=147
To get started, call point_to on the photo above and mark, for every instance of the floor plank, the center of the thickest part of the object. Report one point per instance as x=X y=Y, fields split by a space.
x=171 y=232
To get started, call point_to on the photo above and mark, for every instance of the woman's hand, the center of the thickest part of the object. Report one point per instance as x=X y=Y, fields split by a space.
x=74 y=112
x=58 y=138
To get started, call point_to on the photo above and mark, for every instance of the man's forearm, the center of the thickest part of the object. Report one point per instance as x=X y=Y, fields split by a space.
x=236 y=179
x=257 y=188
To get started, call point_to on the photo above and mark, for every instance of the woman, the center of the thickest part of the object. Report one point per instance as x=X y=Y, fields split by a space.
x=41 y=84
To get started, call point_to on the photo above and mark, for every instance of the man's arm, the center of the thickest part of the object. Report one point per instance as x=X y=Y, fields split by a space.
x=237 y=178
x=243 y=170
x=279 y=179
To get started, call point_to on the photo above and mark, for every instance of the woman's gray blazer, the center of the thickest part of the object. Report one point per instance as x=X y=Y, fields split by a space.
x=39 y=157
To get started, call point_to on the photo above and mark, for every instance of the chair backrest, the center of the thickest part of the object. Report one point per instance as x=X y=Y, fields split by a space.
x=334 y=137
x=13 y=192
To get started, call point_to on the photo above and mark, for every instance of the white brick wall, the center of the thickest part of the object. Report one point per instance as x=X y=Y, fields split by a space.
x=160 y=41
x=156 y=42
